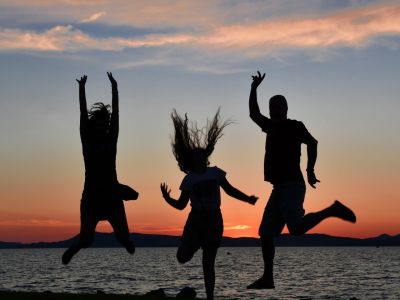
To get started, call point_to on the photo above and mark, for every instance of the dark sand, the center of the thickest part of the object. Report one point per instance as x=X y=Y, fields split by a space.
x=11 y=295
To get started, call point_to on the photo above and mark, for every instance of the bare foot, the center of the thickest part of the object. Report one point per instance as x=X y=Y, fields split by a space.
x=131 y=248
x=262 y=283
x=343 y=212
x=67 y=256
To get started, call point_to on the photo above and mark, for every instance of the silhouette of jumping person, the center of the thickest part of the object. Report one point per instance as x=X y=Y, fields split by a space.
x=282 y=170
x=102 y=197
x=201 y=185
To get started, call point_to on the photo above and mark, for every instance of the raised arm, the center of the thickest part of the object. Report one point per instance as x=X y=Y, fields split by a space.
x=84 y=119
x=114 y=122
x=312 y=144
x=255 y=113
x=235 y=193
x=178 y=204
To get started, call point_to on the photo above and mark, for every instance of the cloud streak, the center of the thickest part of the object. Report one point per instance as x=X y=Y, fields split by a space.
x=69 y=39
x=237 y=227
x=94 y=17
x=29 y=223
x=352 y=28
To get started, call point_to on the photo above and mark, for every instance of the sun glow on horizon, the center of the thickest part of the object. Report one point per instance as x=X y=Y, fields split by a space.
x=337 y=64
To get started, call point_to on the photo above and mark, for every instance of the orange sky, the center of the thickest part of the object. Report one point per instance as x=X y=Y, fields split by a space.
x=338 y=65
x=45 y=209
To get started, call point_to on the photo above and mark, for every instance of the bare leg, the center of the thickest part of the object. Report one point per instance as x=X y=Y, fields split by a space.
x=83 y=240
x=268 y=251
x=209 y=255
x=310 y=220
x=121 y=231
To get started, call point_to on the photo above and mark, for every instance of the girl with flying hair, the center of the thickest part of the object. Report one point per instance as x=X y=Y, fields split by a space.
x=102 y=194
x=192 y=148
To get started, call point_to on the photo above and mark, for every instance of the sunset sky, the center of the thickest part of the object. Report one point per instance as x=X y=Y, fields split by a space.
x=337 y=62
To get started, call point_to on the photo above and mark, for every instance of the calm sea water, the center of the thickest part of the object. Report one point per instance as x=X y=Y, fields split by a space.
x=316 y=273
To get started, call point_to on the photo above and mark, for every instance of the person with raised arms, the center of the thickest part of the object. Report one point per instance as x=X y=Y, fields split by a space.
x=103 y=195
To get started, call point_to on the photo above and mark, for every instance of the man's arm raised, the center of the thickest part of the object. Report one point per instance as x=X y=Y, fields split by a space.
x=254 y=109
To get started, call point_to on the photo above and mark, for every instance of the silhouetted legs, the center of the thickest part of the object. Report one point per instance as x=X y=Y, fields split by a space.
x=87 y=232
x=309 y=221
x=83 y=240
x=185 y=254
x=121 y=231
x=268 y=251
x=209 y=255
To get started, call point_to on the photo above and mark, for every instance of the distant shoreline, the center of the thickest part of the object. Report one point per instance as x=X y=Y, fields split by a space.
x=107 y=240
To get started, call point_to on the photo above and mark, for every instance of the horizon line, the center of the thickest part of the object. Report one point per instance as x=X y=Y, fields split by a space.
x=249 y=237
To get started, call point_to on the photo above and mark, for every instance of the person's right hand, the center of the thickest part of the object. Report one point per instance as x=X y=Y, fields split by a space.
x=257 y=79
x=312 y=180
x=165 y=191
x=82 y=81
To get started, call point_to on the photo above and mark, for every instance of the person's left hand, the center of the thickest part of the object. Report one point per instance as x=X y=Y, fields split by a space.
x=252 y=199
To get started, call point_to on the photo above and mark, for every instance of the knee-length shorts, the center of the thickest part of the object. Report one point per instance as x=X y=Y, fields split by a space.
x=285 y=206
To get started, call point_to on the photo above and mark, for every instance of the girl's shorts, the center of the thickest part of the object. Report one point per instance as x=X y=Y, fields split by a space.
x=203 y=229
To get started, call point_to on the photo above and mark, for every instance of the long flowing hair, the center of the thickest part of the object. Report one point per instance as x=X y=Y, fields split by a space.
x=99 y=110
x=188 y=138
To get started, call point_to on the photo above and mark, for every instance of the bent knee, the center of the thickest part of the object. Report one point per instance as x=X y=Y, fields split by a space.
x=184 y=255
x=182 y=258
x=295 y=230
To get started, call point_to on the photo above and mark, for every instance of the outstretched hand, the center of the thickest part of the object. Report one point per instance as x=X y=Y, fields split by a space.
x=165 y=190
x=252 y=199
x=257 y=79
x=82 y=81
x=312 y=180
x=112 y=79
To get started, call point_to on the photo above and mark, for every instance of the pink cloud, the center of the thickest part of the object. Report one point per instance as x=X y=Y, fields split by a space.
x=29 y=223
x=94 y=17
x=350 y=28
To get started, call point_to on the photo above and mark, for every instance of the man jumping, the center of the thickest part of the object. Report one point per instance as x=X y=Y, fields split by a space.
x=282 y=170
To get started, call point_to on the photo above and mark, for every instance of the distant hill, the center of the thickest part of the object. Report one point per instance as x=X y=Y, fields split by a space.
x=285 y=240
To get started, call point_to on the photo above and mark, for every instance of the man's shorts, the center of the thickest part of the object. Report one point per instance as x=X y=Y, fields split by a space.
x=203 y=229
x=285 y=206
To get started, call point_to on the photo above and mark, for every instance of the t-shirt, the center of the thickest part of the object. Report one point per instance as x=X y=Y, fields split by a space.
x=283 y=149
x=204 y=188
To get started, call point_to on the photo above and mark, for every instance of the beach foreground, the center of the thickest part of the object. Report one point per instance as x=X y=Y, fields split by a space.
x=13 y=295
